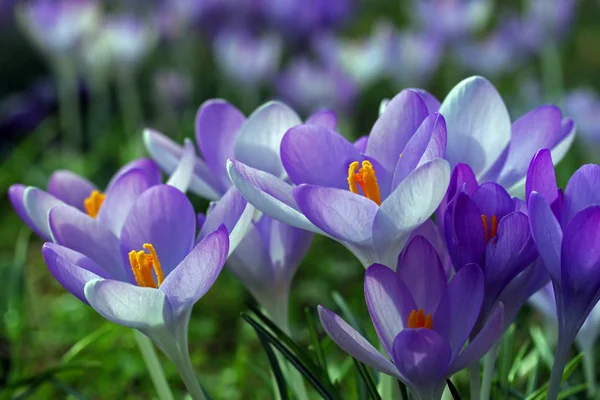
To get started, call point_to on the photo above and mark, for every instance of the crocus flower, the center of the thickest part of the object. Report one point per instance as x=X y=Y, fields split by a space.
x=415 y=57
x=480 y=133
x=484 y=226
x=422 y=320
x=566 y=230
x=584 y=106
x=149 y=277
x=109 y=207
x=371 y=201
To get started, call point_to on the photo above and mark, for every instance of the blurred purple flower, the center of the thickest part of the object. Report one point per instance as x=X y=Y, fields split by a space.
x=566 y=230
x=416 y=58
x=422 y=320
x=453 y=19
x=125 y=40
x=544 y=22
x=584 y=106
x=173 y=87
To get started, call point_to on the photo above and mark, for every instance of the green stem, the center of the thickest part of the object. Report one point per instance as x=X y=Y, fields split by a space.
x=186 y=371
x=589 y=368
x=488 y=371
x=129 y=103
x=153 y=364
x=68 y=98
x=389 y=388
x=560 y=361
x=552 y=73
x=474 y=381
x=99 y=112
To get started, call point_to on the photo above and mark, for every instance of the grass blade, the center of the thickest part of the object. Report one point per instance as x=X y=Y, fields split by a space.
x=312 y=330
x=453 y=390
x=368 y=379
x=281 y=385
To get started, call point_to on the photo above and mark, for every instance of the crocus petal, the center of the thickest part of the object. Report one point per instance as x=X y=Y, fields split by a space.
x=581 y=191
x=259 y=139
x=430 y=231
x=342 y=214
x=490 y=333
x=318 y=156
x=145 y=164
x=541 y=177
x=427 y=144
x=478 y=124
x=389 y=303
x=419 y=259
x=268 y=194
x=197 y=272
x=324 y=117
x=465 y=295
x=492 y=199
x=129 y=305
x=422 y=356
x=120 y=198
x=167 y=154
x=70 y=188
x=71 y=269
x=287 y=247
x=408 y=206
x=251 y=263
x=16 y=194
x=568 y=134
x=80 y=232
x=394 y=127
x=182 y=176
x=538 y=129
x=433 y=104
x=217 y=124
x=462 y=180
x=464 y=232
x=37 y=205
x=163 y=217
x=361 y=143
x=546 y=233
x=353 y=343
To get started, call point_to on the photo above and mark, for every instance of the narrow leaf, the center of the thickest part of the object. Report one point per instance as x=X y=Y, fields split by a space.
x=368 y=379
x=453 y=390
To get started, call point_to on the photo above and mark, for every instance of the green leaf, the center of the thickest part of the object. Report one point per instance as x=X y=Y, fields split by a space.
x=312 y=330
x=517 y=361
x=83 y=343
x=453 y=390
x=283 y=393
x=368 y=379
x=571 y=366
x=542 y=346
x=565 y=394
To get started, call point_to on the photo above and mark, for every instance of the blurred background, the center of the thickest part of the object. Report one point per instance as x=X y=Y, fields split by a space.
x=80 y=79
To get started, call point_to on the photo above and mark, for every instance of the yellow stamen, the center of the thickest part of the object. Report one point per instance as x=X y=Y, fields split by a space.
x=418 y=319
x=142 y=265
x=364 y=178
x=489 y=232
x=93 y=203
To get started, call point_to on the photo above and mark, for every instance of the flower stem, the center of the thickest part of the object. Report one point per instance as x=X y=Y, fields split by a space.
x=488 y=371
x=474 y=381
x=186 y=371
x=589 y=368
x=389 y=388
x=153 y=364
x=68 y=98
x=560 y=361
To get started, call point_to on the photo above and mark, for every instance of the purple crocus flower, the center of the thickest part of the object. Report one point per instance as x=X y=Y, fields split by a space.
x=369 y=200
x=566 y=230
x=422 y=320
x=484 y=226
x=149 y=277
x=32 y=205
x=416 y=57
x=481 y=135
x=584 y=106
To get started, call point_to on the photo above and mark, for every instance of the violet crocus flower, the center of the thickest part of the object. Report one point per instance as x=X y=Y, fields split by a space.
x=32 y=205
x=422 y=320
x=369 y=201
x=584 y=106
x=149 y=277
x=484 y=226
x=566 y=229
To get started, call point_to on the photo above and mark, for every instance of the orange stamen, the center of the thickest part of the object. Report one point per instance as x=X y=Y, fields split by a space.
x=364 y=178
x=418 y=319
x=142 y=265
x=93 y=203
x=489 y=232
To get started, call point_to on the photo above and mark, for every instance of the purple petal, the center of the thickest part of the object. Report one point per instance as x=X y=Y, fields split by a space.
x=287 y=247
x=217 y=124
x=340 y=213
x=183 y=174
x=581 y=191
x=80 y=232
x=419 y=259
x=409 y=206
x=568 y=135
x=324 y=117
x=547 y=234
x=432 y=103
x=129 y=305
x=163 y=217
x=16 y=194
x=541 y=177
x=427 y=144
x=433 y=234
x=144 y=164
x=492 y=199
x=477 y=122
x=361 y=143
x=538 y=129
x=464 y=232
x=71 y=269
x=120 y=198
x=70 y=188
x=394 y=127
x=317 y=156
x=465 y=295
x=197 y=272
x=259 y=139
x=492 y=332
x=353 y=343
x=389 y=303
x=422 y=357
x=37 y=205
x=462 y=180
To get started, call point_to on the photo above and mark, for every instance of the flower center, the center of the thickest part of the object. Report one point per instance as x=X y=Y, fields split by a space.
x=143 y=263
x=364 y=178
x=93 y=203
x=490 y=228
x=418 y=319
